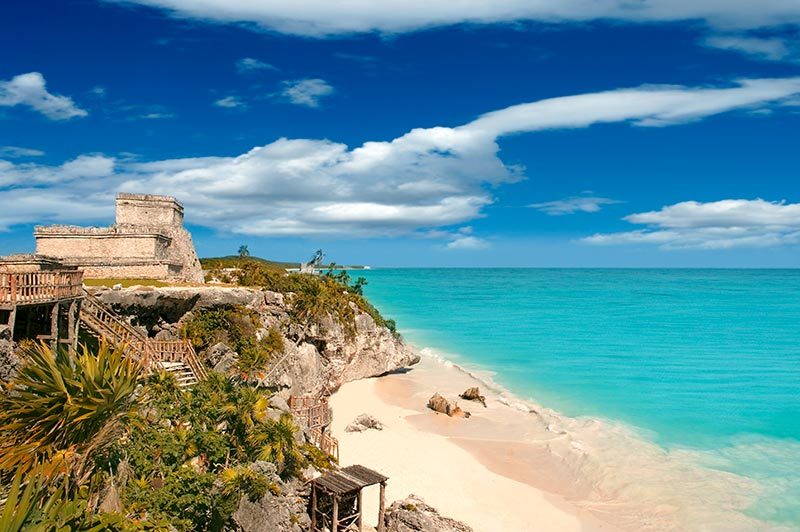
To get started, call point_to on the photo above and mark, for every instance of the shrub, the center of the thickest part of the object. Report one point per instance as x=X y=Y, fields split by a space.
x=62 y=413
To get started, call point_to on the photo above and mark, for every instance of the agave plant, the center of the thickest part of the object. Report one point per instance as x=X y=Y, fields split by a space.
x=61 y=411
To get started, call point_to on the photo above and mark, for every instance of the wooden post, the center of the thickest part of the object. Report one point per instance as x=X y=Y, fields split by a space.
x=12 y=320
x=381 y=506
x=54 y=325
x=72 y=325
x=335 y=522
x=313 y=507
x=358 y=508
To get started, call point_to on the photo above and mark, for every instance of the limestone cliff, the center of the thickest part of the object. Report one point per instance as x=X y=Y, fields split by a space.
x=318 y=356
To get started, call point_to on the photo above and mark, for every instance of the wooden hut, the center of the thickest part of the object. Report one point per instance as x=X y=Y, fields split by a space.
x=336 y=498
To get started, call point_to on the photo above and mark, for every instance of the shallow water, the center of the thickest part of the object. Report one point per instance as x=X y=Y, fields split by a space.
x=704 y=363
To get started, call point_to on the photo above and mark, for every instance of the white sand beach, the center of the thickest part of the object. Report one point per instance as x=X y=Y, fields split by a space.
x=419 y=459
x=515 y=466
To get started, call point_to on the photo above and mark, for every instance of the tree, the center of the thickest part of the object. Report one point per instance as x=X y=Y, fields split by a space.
x=243 y=251
x=317 y=258
x=274 y=441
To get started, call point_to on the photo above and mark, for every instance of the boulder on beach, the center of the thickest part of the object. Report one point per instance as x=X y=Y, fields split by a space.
x=474 y=394
x=437 y=403
x=412 y=514
x=362 y=423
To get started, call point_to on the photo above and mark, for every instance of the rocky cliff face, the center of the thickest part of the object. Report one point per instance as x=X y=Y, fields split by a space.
x=319 y=356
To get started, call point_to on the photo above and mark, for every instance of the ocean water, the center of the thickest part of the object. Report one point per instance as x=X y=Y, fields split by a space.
x=701 y=362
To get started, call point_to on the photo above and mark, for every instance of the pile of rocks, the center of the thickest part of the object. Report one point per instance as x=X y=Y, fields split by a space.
x=362 y=423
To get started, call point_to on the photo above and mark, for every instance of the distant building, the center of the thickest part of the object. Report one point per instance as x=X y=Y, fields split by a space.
x=148 y=241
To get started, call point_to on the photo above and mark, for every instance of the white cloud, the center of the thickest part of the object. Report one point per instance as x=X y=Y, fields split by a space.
x=715 y=225
x=306 y=92
x=770 y=48
x=467 y=243
x=154 y=116
x=425 y=181
x=13 y=152
x=230 y=102
x=573 y=204
x=29 y=89
x=250 y=64
x=320 y=18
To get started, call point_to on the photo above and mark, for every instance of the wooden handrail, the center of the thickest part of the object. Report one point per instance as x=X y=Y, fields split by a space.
x=324 y=442
x=105 y=322
x=40 y=287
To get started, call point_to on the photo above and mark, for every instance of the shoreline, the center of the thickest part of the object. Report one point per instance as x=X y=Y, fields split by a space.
x=538 y=469
x=438 y=469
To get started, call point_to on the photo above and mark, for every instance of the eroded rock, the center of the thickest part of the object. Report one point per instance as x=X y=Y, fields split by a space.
x=474 y=394
x=318 y=358
x=362 y=423
x=282 y=509
x=412 y=514
x=10 y=361
x=437 y=403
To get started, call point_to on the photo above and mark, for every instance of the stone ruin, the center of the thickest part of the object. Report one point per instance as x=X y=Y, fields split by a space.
x=148 y=241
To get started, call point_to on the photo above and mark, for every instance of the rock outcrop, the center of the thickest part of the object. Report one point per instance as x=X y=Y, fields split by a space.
x=10 y=362
x=362 y=423
x=317 y=357
x=282 y=509
x=474 y=394
x=412 y=514
x=439 y=404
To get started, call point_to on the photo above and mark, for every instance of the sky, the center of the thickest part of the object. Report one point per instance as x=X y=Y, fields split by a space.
x=581 y=133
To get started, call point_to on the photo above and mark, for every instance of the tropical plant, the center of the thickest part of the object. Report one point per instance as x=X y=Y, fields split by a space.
x=274 y=441
x=61 y=412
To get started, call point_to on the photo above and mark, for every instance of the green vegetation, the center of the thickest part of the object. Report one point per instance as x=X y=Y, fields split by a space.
x=236 y=328
x=236 y=261
x=90 y=443
x=60 y=413
x=314 y=297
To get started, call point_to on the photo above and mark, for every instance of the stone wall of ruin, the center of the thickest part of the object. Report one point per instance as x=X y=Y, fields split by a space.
x=148 y=210
x=148 y=241
x=107 y=244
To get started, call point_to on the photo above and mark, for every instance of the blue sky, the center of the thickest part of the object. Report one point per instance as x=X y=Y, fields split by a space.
x=660 y=136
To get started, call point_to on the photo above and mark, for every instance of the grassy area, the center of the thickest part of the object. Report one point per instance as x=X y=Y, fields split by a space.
x=126 y=283
x=235 y=261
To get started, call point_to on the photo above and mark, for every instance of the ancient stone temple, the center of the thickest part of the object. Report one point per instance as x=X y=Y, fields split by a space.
x=148 y=241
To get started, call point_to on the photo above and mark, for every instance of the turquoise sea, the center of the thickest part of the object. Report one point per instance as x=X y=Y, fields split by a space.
x=704 y=361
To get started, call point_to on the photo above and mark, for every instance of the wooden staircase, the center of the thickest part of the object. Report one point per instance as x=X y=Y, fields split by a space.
x=175 y=356
x=314 y=415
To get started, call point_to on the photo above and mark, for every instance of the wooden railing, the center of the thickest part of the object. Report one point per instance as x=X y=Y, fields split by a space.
x=310 y=412
x=40 y=287
x=105 y=323
x=324 y=442
x=175 y=351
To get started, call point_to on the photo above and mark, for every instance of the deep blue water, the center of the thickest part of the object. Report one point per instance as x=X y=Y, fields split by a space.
x=697 y=359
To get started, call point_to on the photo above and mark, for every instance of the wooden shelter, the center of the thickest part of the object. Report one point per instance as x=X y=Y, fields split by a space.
x=40 y=299
x=336 y=498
